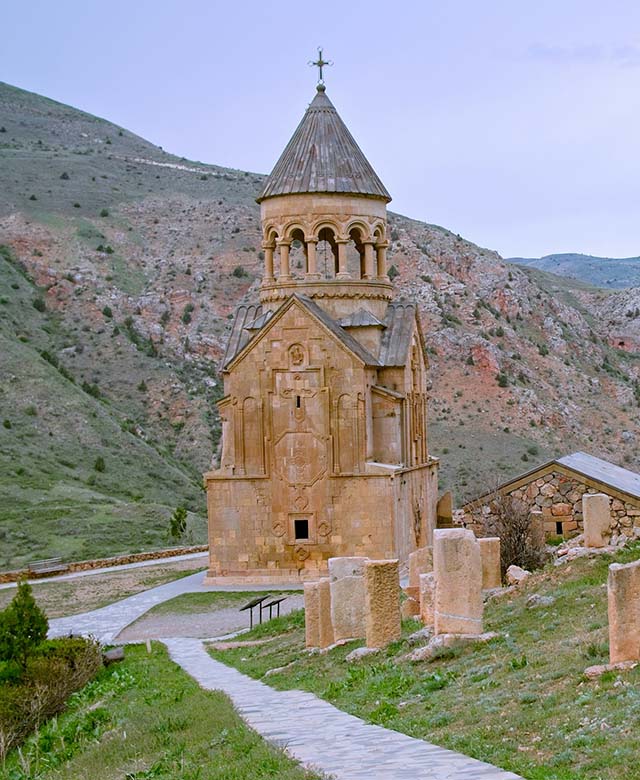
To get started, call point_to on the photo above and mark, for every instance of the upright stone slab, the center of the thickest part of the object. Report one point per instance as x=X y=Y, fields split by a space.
x=346 y=580
x=325 y=626
x=596 y=516
x=427 y=598
x=457 y=566
x=312 y=614
x=490 y=555
x=623 y=591
x=420 y=562
x=382 y=602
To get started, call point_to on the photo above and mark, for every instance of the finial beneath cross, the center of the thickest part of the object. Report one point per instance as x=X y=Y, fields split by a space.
x=319 y=64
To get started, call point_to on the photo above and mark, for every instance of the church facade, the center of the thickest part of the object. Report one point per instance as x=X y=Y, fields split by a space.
x=324 y=418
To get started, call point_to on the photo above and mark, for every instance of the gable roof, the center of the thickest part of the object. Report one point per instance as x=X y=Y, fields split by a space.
x=360 y=319
x=596 y=470
x=396 y=338
x=322 y=156
x=240 y=338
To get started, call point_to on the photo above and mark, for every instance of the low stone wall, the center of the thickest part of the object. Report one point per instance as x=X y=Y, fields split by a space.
x=559 y=498
x=103 y=563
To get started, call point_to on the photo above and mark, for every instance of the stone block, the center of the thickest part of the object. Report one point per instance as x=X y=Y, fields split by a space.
x=623 y=593
x=561 y=509
x=427 y=598
x=325 y=626
x=346 y=579
x=382 y=602
x=457 y=566
x=490 y=555
x=410 y=608
x=597 y=519
x=420 y=562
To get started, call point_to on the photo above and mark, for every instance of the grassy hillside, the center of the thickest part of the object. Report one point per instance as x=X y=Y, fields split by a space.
x=75 y=479
x=608 y=272
x=140 y=257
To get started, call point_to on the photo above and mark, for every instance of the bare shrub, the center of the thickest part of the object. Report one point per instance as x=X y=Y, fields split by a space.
x=62 y=667
x=522 y=541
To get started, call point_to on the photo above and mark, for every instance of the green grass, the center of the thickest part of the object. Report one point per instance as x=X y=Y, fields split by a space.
x=520 y=702
x=145 y=718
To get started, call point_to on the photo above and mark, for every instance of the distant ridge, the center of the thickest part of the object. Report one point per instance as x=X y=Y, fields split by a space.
x=609 y=272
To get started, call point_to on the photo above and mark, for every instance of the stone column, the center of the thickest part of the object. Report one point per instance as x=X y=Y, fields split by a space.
x=381 y=260
x=346 y=579
x=343 y=272
x=458 y=570
x=311 y=614
x=596 y=516
x=268 y=263
x=369 y=252
x=490 y=555
x=382 y=602
x=427 y=598
x=420 y=562
x=325 y=626
x=285 y=271
x=312 y=264
x=623 y=592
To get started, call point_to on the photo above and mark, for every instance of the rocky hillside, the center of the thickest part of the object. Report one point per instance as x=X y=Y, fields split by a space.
x=129 y=262
x=609 y=272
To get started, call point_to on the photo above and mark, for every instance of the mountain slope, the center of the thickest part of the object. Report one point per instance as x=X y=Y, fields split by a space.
x=141 y=278
x=609 y=272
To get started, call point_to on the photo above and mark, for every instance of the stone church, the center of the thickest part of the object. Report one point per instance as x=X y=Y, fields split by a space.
x=324 y=418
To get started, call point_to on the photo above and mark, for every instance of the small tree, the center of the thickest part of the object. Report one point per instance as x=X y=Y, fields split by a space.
x=178 y=523
x=522 y=542
x=23 y=626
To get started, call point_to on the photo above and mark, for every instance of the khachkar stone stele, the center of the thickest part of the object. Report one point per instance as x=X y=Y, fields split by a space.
x=324 y=427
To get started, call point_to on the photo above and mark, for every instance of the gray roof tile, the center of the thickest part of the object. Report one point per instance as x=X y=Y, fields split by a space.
x=322 y=156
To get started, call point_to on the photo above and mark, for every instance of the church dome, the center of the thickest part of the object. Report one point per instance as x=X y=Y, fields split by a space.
x=322 y=156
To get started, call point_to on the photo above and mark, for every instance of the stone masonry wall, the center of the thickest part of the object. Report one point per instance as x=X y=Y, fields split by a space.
x=559 y=498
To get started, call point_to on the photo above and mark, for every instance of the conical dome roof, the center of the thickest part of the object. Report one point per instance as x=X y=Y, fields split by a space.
x=322 y=156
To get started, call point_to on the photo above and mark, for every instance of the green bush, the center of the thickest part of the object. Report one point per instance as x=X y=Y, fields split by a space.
x=23 y=627
x=107 y=312
x=178 y=523
x=239 y=272
x=104 y=213
x=99 y=464
x=393 y=272
x=39 y=304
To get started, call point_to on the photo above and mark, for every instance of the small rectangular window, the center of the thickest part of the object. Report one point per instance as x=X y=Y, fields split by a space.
x=301 y=528
x=559 y=530
x=297 y=402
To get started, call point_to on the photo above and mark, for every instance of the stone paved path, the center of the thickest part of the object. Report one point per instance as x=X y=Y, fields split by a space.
x=324 y=738
x=107 y=622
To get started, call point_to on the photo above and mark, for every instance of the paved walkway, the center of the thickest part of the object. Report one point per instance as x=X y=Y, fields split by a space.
x=107 y=569
x=107 y=622
x=313 y=731
x=324 y=738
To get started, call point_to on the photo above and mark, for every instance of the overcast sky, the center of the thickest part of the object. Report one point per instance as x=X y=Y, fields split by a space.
x=515 y=123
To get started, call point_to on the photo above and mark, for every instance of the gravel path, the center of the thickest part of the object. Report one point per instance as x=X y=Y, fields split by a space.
x=324 y=738
x=105 y=624
x=198 y=624
x=107 y=569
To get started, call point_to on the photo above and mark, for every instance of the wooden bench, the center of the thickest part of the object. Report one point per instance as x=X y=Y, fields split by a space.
x=48 y=566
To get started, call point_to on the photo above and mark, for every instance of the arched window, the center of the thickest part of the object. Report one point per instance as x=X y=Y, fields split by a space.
x=355 y=253
x=298 y=254
x=327 y=253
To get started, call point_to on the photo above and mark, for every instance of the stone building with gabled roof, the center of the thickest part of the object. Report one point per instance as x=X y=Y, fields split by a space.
x=555 y=489
x=324 y=418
